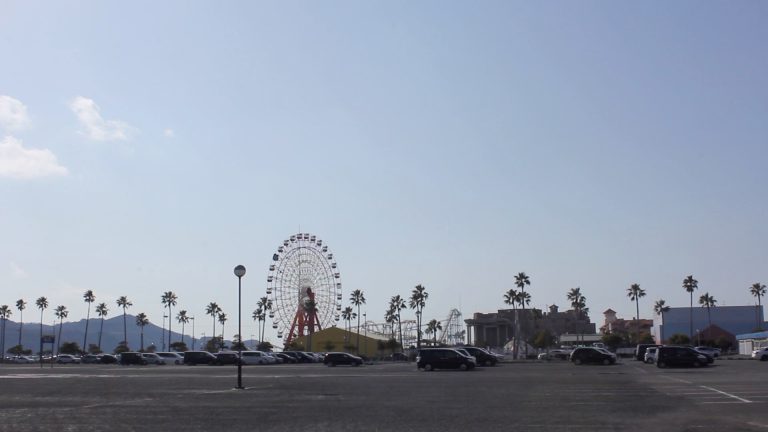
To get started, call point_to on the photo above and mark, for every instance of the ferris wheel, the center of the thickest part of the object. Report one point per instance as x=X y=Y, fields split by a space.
x=305 y=287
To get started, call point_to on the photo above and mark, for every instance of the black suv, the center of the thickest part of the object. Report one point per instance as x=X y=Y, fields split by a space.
x=679 y=356
x=129 y=358
x=484 y=358
x=583 y=355
x=227 y=358
x=198 y=357
x=640 y=351
x=340 y=358
x=443 y=358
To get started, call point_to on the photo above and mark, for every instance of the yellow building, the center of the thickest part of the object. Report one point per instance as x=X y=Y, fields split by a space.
x=337 y=339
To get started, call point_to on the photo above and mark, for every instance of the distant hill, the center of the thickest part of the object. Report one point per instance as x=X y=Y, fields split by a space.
x=112 y=334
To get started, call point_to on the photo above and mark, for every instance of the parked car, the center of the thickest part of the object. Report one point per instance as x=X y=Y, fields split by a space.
x=132 y=358
x=198 y=357
x=108 y=359
x=713 y=352
x=760 y=354
x=172 y=357
x=286 y=358
x=341 y=358
x=23 y=360
x=66 y=358
x=443 y=358
x=256 y=357
x=275 y=357
x=300 y=356
x=582 y=355
x=640 y=350
x=226 y=358
x=483 y=357
x=90 y=358
x=679 y=356
x=153 y=358
x=650 y=354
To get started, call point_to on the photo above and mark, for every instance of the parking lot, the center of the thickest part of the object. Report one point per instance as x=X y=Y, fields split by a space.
x=731 y=395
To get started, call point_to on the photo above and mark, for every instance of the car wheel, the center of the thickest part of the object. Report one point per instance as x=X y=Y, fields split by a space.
x=427 y=367
x=577 y=361
x=463 y=366
x=764 y=358
x=696 y=364
x=333 y=364
x=355 y=364
x=661 y=364
x=606 y=362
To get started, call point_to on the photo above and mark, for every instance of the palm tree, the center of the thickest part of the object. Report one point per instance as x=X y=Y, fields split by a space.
x=512 y=297
x=61 y=312
x=578 y=302
x=433 y=327
x=259 y=316
x=265 y=304
x=89 y=298
x=348 y=315
x=141 y=321
x=758 y=290
x=213 y=310
x=397 y=304
x=390 y=316
x=182 y=319
x=101 y=310
x=169 y=299
x=21 y=305
x=690 y=284
x=222 y=320
x=521 y=280
x=357 y=298
x=634 y=292
x=5 y=312
x=42 y=304
x=660 y=307
x=417 y=301
x=125 y=304
x=708 y=301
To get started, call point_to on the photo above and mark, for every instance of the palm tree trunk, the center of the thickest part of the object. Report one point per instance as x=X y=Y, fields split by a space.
x=87 y=321
x=58 y=345
x=142 y=338
x=691 y=318
x=400 y=330
x=358 y=330
x=170 y=318
x=125 y=330
x=101 y=330
x=21 y=323
x=41 y=337
x=637 y=319
x=182 y=333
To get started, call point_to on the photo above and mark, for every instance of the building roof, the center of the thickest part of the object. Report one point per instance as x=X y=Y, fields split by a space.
x=609 y=310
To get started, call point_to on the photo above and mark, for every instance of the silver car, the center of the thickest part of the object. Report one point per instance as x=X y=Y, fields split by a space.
x=650 y=354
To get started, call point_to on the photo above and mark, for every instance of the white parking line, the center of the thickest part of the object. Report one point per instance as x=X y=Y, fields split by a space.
x=727 y=394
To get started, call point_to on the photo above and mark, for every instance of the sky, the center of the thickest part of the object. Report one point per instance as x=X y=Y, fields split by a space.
x=152 y=146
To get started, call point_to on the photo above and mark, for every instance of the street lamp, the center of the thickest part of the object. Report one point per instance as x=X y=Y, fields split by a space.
x=239 y=272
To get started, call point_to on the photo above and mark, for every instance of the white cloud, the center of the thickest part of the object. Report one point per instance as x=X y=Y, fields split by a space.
x=21 y=163
x=169 y=133
x=13 y=114
x=17 y=271
x=96 y=128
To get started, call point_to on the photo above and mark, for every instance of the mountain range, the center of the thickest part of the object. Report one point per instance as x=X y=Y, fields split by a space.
x=111 y=335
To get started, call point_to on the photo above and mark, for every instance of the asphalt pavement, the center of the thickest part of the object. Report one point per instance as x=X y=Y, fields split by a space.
x=531 y=396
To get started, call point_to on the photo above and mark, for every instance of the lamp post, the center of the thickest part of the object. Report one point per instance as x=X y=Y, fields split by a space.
x=239 y=272
x=193 y=332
